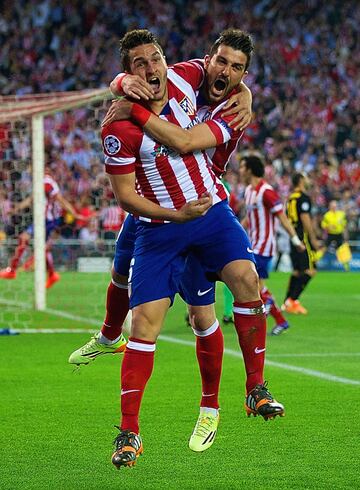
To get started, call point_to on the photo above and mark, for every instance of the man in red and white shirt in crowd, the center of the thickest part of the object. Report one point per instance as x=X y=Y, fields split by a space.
x=263 y=205
x=54 y=204
x=111 y=218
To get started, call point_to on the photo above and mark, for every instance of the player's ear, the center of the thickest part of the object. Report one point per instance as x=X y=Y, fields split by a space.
x=206 y=61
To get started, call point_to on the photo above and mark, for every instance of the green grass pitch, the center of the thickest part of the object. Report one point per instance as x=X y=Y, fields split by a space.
x=57 y=426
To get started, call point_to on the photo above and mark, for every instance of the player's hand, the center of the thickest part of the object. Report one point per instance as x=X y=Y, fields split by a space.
x=118 y=111
x=239 y=105
x=136 y=87
x=301 y=247
x=194 y=209
x=316 y=245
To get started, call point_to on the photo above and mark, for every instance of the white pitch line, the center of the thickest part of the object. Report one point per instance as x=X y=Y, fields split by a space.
x=174 y=340
x=287 y=367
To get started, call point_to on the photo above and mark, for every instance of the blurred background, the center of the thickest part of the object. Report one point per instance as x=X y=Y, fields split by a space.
x=304 y=77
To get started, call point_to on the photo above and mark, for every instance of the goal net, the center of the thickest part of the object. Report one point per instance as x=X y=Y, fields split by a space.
x=55 y=135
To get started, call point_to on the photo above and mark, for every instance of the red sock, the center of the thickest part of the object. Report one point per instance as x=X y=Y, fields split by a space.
x=49 y=262
x=136 y=369
x=209 y=352
x=20 y=249
x=250 y=324
x=117 y=307
x=273 y=310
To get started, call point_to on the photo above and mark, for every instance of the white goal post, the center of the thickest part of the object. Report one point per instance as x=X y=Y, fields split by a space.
x=33 y=109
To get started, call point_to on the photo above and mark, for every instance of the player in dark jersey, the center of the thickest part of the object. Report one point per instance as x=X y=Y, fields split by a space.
x=304 y=267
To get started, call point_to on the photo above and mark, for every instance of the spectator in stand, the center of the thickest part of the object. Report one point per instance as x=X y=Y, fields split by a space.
x=308 y=114
x=85 y=210
x=111 y=219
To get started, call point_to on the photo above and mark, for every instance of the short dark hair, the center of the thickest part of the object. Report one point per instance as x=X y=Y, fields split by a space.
x=255 y=164
x=296 y=178
x=131 y=40
x=236 y=39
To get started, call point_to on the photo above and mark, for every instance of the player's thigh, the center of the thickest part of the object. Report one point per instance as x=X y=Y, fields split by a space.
x=148 y=318
x=157 y=265
x=221 y=239
x=242 y=279
x=124 y=246
x=262 y=266
x=195 y=288
x=302 y=261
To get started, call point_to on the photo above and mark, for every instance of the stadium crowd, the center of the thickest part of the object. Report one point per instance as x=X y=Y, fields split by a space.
x=304 y=78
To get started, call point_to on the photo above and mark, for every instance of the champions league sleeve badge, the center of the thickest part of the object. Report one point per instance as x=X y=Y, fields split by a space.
x=112 y=144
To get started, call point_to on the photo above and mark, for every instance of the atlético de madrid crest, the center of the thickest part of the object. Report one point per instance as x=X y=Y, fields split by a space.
x=187 y=106
x=112 y=144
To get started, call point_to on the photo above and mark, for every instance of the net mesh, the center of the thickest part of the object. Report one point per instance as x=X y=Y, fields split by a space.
x=81 y=249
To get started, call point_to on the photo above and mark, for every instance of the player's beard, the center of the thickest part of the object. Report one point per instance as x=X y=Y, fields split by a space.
x=218 y=89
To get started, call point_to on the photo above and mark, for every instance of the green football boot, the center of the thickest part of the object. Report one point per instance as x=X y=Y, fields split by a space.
x=204 y=432
x=93 y=349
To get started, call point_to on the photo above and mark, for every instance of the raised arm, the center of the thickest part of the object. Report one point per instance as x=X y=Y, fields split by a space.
x=199 y=137
x=131 y=85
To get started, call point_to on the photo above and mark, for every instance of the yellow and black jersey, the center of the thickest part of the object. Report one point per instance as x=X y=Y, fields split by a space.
x=297 y=204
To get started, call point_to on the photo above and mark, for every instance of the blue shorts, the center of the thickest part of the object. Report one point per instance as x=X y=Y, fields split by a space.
x=50 y=226
x=195 y=288
x=124 y=246
x=262 y=265
x=161 y=252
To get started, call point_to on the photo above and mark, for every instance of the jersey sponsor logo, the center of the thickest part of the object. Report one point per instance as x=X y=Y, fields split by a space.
x=193 y=123
x=202 y=293
x=187 y=106
x=259 y=351
x=225 y=125
x=207 y=116
x=112 y=144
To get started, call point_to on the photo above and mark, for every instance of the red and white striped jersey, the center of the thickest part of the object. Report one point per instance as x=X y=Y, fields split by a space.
x=52 y=211
x=164 y=176
x=262 y=205
x=219 y=155
x=112 y=218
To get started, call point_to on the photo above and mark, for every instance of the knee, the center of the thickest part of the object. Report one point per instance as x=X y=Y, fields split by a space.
x=246 y=286
x=202 y=317
x=250 y=281
x=119 y=278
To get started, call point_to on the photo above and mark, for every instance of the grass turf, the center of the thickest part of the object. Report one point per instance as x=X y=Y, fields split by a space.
x=57 y=425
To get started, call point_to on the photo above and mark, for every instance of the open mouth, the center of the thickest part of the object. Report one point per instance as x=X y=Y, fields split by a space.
x=220 y=85
x=155 y=83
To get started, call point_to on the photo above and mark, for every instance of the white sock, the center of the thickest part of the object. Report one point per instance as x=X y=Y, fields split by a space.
x=211 y=411
x=104 y=340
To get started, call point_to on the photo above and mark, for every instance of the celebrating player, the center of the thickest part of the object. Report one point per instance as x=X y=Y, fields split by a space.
x=304 y=266
x=262 y=205
x=171 y=180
